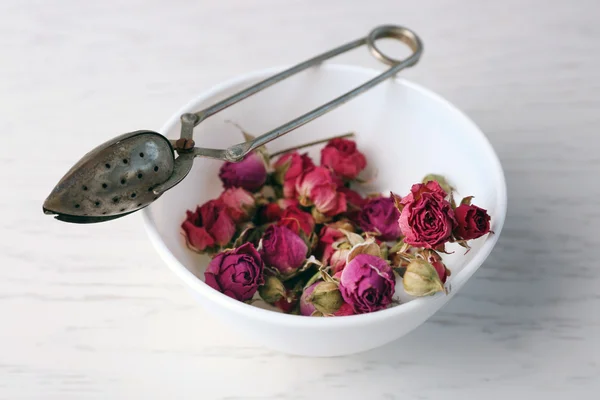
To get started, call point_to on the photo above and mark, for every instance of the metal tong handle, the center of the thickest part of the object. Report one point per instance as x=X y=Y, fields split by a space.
x=238 y=151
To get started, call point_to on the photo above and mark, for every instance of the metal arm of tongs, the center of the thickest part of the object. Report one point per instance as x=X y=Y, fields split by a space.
x=238 y=151
x=131 y=171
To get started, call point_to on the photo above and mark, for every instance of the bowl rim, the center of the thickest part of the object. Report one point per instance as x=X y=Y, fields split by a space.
x=249 y=311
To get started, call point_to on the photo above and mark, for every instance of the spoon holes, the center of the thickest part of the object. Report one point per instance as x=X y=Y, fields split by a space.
x=84 y=187
x=123 y=181
x=77 y=206
x=142 y=155
x=107 y=166
x=104 y=213
x=97 y=204
x=139 y=205
x=122 y=209
x=140 y=175
x=125 y=161
x=115 y=200
x=133 y=195
x=156 y=168
x=104 y=186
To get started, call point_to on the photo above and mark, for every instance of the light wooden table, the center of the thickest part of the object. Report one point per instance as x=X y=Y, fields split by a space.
x=90 y=312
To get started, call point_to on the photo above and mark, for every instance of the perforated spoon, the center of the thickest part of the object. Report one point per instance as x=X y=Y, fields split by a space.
x=130 y=171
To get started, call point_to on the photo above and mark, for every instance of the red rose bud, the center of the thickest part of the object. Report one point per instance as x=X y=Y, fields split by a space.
x=270 y=212
x=209 y=226
x=341 y=156
x=288 y=168
x=380 y=215
x=354 y=202
x=367 y=283
x=427 y=218
x=241 y=204
x=297 y=220
x=472 y=222
x=236 y=273
x=250 y=173
x=283 y=250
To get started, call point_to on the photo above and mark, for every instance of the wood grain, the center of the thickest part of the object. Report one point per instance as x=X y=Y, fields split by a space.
x=90 y=312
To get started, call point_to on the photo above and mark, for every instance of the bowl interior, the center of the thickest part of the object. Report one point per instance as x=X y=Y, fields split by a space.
x=405 y=131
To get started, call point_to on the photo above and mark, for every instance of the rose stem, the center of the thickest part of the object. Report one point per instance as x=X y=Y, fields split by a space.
x=316 y=142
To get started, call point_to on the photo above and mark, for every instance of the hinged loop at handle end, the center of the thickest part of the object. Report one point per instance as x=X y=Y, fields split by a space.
x=405 y=35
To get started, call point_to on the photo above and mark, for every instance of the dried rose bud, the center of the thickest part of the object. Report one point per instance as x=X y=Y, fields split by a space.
x=241 y=204
x=342 y=156
x=427 y=218
x=441 y=180
x=288 y=168
x=472 y=222
x=324 y=298
x=210 y=226
x=236 y=273
x=380 y=215
x=270 y=212
x=318 y=187
x=272 y=290
x=250 y=173
x=367 y=283
x=283 y=250
x=421 y=279
x=297 y=220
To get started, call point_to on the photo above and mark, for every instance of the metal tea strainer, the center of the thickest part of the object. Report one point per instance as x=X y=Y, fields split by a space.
x=130 y=171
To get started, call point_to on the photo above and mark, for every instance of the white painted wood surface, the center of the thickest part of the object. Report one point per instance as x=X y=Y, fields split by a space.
x=90 y=312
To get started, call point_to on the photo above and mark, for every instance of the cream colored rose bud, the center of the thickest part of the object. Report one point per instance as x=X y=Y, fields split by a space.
x=421 y=279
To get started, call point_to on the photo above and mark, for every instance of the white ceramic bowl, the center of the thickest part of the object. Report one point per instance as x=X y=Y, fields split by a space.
x=405 y=131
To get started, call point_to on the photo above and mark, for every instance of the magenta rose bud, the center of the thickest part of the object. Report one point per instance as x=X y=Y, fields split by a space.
x=307 y=308
x=342 y=156
x=427 y=218
x=367 y=283
x=472 y=222
x=209 y=226
x=250 y=173
x=297 y=220
x=239 y=202
x=380 y=215
x=288 y=168
x=236 y=273
x=283 y=250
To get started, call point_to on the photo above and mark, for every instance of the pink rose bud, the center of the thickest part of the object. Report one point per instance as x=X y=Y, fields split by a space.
x=321 y=298
x=250 y=173
x=380 y=215
x=318 y=187
x=472 y=222
x=236 y=273
x=343 y=158
x=367 y=283
x=297 y=220
x=288 y=168
x=436 y=261
x=283 y=250
x=427 y=218
x=241 y=204
x=330 y=234
x=209 y=226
